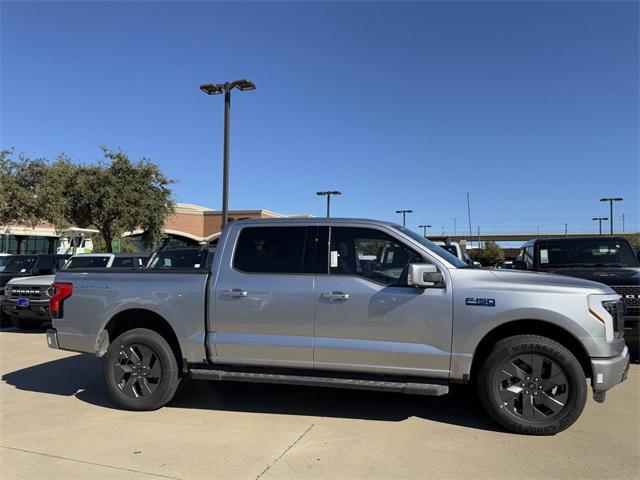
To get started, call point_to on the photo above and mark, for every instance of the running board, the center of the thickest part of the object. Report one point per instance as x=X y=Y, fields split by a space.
x=415 y=388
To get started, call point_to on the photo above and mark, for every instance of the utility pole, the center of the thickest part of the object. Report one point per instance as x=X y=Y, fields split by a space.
x=479 y=243
x=215 y=89
x=424 y=229
x=469 y=215
x=599 y=220
x=404 y=216
x=611 y=200
x=566 y=229
x=623 y=223
x=455 y=228
x=328 y=195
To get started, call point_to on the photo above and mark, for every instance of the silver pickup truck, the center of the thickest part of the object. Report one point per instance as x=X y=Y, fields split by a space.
x=352 y=304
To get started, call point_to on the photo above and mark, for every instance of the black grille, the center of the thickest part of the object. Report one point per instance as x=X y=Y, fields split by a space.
x=26 y=292
x=630 y=294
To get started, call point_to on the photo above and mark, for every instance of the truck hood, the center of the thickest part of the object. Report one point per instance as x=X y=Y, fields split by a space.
x=545 y=280
x=5 y=277
x=608 y=276
x=40 y=280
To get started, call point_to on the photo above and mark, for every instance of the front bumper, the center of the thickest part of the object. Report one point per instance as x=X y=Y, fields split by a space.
x=608 y=372
x=52 y=338
x=37 y=310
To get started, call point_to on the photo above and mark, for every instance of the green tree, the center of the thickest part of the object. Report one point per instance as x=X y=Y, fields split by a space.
x=117 y=195
x=32 y=190
x=490 y=254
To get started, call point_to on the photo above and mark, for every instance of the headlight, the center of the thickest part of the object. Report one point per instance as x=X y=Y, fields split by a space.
x=605 y=309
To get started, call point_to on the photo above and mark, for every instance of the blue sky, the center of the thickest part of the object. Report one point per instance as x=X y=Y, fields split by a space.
x=532 y=107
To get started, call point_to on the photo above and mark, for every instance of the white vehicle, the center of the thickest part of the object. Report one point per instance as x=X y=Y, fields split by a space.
x=74 y=240
x=26 y=299
x=453 y=248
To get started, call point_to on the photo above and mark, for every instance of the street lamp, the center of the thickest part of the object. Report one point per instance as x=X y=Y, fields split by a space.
x=328 y=195
x=599 y=220
x=611 y=200
x=424 y=229
x=404 y=216
x=215 y=89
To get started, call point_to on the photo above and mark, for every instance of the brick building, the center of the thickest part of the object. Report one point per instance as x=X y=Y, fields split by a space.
x=189 y=225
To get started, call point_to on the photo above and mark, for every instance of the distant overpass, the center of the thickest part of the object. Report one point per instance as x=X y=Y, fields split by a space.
x=508 y=237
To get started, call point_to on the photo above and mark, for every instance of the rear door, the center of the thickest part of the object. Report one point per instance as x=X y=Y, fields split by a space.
x=263 y=297
x=367 y=317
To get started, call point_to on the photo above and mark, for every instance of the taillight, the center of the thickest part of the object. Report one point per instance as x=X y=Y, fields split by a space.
x=61 y=291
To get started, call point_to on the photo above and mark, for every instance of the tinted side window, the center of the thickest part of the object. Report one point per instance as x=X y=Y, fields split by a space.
x=124 y=262
x=371 y=254
x=528 y=257
x=270 y=250
x=45 y=266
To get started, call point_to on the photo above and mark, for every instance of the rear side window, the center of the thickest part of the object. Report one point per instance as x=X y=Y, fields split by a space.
x=87 y=262
x=270 y=250
x=179 y=259
x=125 y=262
x=45 y=266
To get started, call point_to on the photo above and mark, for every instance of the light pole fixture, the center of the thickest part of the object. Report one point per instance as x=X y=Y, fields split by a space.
x=599 y=220
x=404 y=216
x=424 y=229
x=611 y=200
x=328 y=195
x=215 y=89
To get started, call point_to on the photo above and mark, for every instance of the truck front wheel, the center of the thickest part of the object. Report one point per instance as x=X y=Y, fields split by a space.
x=532 y=384
x=140 y=370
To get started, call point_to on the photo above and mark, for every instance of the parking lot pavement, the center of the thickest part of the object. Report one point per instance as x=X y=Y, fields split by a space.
x=57 y=422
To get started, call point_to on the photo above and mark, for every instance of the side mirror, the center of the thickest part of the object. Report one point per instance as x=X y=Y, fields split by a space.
x=519 y=265
x=423 y=275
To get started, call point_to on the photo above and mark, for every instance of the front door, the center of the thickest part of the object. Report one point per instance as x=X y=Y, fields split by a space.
x=264 y=299
x=368 y=319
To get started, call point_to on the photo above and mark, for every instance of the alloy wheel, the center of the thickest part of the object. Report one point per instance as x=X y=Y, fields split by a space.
x=137 y=370
x=532 y=387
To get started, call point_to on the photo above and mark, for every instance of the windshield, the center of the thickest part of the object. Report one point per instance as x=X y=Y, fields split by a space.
x=3 y=262
x=175 y=259
x=588 y=252
x=19 y=264
x=439 y=251
x=87 y=262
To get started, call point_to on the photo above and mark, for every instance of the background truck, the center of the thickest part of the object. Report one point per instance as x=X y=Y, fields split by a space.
x=604 y=259
x=350 y=304
x=26 y=299
x=20 y=266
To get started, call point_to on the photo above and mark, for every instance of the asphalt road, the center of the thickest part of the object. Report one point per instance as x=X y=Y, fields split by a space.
x=56 y=422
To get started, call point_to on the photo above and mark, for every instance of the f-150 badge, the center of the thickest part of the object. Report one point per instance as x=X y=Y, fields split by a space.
x=481 y=302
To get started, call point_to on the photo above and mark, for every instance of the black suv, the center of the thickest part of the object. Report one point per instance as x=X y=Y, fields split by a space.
x=608 y=260
x=28 y=266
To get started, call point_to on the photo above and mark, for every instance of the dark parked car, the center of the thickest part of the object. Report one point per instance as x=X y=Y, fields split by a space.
x=26 y=300
x=608 y=260
x=17 y=266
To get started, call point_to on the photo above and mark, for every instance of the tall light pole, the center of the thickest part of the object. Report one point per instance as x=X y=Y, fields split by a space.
x=424 y=229
x=611 y=200
x=328 y=195
x=600 y=219
x=215 y=89
x=404 y=216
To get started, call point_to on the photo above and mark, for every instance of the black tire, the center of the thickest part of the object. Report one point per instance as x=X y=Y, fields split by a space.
x=5 y=320
x=560 y=389
x=130 y=384
x=25 y=324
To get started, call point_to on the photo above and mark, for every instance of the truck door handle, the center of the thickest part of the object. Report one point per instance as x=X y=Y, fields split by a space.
x=235 y=293
x=335 y=296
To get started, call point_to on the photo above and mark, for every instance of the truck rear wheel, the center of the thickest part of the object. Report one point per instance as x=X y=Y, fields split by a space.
x=140 y=370
x=532 y=384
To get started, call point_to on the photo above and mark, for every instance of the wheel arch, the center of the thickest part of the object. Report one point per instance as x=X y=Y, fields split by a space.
x=532 y=327
x=138 y=318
